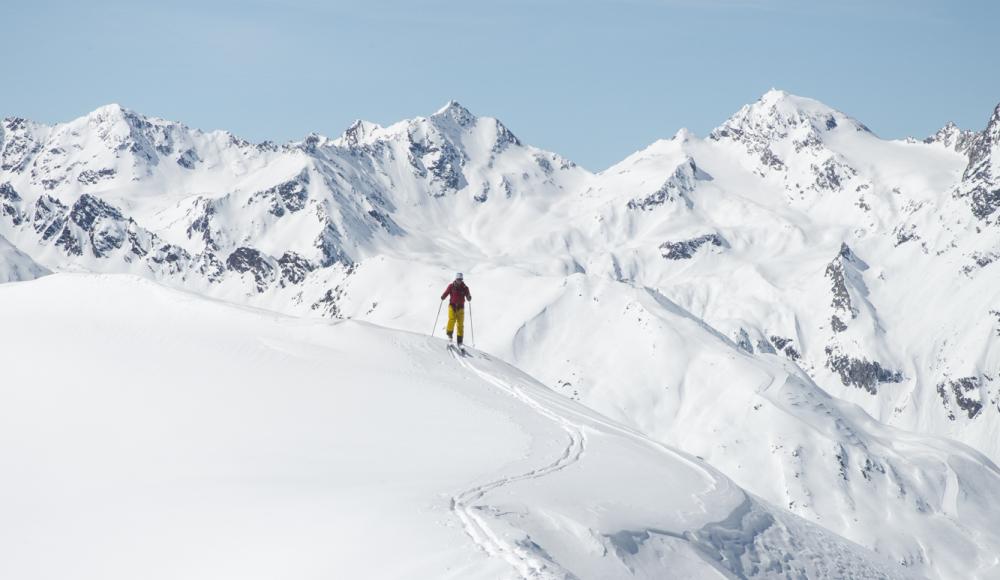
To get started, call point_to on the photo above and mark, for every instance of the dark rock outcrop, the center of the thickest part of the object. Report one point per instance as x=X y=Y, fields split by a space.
x=686 y=249
x=244 y=260
x=965 y=392
x=860 y=372
x=678 y=187
x=294 y=268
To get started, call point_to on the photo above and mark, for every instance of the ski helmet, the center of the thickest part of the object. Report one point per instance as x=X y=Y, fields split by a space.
x=458 y=276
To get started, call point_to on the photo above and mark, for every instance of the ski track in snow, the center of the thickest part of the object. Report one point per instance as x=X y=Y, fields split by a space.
x=471 y=513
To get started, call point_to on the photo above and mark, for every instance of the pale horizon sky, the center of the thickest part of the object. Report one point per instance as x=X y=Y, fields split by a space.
x=593 y=80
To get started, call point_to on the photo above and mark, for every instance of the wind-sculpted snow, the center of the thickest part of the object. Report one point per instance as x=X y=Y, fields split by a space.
x=239 y=444
x=792 y=236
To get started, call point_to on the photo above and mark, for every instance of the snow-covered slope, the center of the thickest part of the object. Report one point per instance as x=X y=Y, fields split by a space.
x=642 y=359
x=15 y=265
x=791 y=247
x=182 y=437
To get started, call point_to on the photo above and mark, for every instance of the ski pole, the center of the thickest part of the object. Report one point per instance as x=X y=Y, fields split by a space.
x=472 y=327
x=440 y=304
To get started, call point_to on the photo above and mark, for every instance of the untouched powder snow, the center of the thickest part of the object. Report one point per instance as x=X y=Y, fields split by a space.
x=150 y=433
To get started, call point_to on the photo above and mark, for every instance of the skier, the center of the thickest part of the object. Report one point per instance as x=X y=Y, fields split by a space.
x=459 y=293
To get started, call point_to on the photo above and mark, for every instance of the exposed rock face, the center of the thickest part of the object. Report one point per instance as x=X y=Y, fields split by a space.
x=981 y=178
x=10 y=204
x=840 y=268
x=686 y=249
x=831 y=174
x=786 y=346
x=743 y=341
x=952 y=137
x=329 y=303
x=294 y=268
x=963 y=393
x=49 y=217
x=860 y=373
x=678 y=187
x=19 y=145
x=204 y=224
x=505 y=139
x=188 y=159
x=837 y=324
x=441 y=163
x=91 y=177
x=245 y=260
x=103 y=224
x=289 y=196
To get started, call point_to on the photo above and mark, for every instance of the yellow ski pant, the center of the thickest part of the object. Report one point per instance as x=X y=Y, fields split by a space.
x=456 y=316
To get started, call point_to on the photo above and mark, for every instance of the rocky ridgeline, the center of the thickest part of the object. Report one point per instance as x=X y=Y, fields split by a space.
x=981 y=178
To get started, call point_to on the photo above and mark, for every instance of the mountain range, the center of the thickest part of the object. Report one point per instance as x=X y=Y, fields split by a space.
x=806 y=307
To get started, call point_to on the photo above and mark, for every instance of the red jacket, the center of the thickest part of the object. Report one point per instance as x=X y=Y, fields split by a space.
x=459 y=292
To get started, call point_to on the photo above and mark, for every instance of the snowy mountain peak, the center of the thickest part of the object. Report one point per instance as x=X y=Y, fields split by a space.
x=455 y=113
x=682 y=136
x=113 y=115
x=359 y=132
x=109 y=111
x=774 y=96
x=944 y=134
x=778 y=113
x=314 y=141
x=953 y=137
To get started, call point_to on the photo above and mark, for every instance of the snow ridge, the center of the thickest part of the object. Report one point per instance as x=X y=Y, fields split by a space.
x=523 y=555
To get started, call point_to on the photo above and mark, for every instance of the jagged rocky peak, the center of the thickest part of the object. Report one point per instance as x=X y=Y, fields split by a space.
x=983 y=144
x=315 y=141
x=953 y=137
x=455 y=113
x=114 y=113
x=848 y=254
x=992 y=132
x=981 y=178
x=678 y=187
x=777 y=114
x=15 y=124
x=124 y=130
x=20 y=140
x=116 y=119
x=359 y=133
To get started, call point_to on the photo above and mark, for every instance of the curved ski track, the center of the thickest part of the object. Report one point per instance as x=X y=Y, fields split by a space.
x=528 y=562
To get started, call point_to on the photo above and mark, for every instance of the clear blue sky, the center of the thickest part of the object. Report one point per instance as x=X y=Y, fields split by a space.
x=593 y=80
